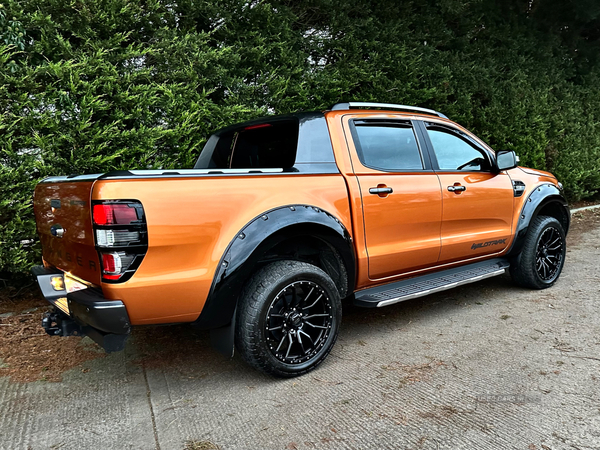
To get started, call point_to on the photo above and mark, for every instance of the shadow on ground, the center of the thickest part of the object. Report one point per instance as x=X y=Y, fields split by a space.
x=187 y=351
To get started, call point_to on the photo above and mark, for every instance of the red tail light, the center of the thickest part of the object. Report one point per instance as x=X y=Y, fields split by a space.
x=115 y=264
x=115 y=213
x=121 y=237
x=110 y=264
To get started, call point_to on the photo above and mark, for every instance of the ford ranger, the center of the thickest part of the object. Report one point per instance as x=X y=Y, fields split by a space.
x=281 y=219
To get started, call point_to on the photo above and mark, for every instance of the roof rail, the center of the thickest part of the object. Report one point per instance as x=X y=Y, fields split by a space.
x=349 y=105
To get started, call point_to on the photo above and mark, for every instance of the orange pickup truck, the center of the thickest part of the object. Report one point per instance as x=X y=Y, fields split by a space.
x=281 y=219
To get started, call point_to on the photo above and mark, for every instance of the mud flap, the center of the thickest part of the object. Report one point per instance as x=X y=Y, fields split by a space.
x=223 y=339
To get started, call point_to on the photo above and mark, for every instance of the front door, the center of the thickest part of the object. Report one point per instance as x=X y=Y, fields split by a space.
x=401 y=197
x=477 y=203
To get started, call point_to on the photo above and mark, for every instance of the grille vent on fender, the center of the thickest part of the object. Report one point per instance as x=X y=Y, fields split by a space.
x=518 y=187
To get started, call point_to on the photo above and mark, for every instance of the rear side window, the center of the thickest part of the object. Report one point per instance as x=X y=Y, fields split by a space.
x=262 y=146
x=390 y=147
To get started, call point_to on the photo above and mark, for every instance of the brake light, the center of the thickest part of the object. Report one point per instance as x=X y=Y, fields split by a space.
x=121 y=237
x=115 y=214
x=254 y=127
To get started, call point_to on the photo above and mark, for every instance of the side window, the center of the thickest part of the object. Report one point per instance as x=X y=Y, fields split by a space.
x=388 y=146
x=456 y=153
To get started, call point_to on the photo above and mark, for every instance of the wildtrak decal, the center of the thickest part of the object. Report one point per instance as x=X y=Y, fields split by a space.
x=487 y=244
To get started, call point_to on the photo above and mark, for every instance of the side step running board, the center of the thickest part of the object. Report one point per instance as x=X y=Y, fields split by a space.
x=428 y=284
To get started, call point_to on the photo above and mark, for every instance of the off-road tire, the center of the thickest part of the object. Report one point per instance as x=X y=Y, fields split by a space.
x=525 y=270
x=253 y=337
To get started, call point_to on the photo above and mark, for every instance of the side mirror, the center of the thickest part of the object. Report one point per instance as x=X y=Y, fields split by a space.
x=506 y=159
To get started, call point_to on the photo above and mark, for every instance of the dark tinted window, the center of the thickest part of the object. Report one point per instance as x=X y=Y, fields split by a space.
x=266 y=146
x=216 y=153
x=388 y=147
x=271 y=146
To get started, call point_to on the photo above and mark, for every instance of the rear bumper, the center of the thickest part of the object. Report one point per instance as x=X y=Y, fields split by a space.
x=97 y=317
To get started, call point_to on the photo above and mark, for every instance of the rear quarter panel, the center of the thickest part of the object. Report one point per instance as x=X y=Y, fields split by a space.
x=191 y=222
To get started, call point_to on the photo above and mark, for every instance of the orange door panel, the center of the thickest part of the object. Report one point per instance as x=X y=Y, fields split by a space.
x=477 y=202
x=401 y=196
x=402 y=228
x=476 y=221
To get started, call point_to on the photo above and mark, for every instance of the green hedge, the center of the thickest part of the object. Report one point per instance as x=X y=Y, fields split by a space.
x=92 y=86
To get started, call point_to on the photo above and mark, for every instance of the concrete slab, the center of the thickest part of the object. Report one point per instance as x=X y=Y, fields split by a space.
x=106 y=408
x=488 y=365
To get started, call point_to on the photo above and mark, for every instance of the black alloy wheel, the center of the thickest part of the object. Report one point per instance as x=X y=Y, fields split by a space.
x=298 y=322
x=288 y=318
x=549 y=254
x=542 y=257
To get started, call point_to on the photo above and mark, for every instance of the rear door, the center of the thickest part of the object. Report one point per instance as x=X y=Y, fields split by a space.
x=477 y=203
x=64 y=223
x=401 y=197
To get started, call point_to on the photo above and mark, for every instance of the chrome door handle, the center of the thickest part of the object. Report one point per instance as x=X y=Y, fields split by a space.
x=457 y=188
x=381 y=190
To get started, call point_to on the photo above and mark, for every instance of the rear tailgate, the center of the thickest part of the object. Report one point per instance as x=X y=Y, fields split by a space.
x=64 y=223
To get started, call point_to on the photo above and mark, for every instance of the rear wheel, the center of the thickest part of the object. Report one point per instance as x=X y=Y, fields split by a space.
x=288 y=318
x=543 y=255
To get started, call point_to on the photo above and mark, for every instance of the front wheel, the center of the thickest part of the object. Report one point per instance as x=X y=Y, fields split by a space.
x=541 y=260
x=288 y=318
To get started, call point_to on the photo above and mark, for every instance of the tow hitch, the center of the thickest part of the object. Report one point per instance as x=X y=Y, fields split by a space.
x=56 y=323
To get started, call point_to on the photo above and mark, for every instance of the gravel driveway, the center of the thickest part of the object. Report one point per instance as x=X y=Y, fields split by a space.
x=487 y=365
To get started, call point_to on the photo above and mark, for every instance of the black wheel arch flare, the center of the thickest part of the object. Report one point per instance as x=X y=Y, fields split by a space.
x=542 y=196
x=255 y=240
